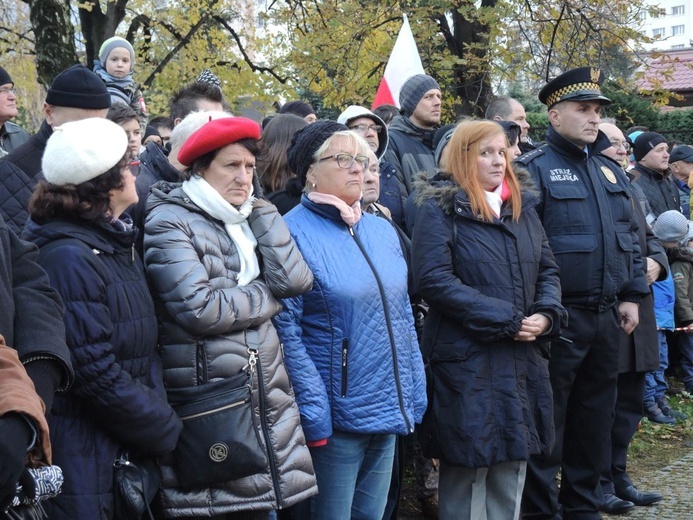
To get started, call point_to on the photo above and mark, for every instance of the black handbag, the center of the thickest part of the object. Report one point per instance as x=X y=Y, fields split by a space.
x=134 y=486
x=220 y=441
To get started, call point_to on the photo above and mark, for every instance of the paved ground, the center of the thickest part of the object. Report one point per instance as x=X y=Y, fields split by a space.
x=675 y=482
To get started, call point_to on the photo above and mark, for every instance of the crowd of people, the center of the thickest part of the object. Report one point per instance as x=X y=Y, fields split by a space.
x=276 y=316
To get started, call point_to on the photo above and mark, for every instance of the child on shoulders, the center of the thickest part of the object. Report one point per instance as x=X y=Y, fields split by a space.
x=114 y=67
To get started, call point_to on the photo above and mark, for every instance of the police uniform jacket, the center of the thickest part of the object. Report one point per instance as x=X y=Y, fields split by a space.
x=659 y=188
x=587 y=212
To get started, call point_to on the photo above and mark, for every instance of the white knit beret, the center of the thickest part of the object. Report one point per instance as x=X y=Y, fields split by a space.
x=79 y=151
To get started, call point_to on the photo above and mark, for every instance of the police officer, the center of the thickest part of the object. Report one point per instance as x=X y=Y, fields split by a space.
x=587 y=215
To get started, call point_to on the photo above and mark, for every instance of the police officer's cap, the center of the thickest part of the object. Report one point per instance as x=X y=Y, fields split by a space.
x=581 y=84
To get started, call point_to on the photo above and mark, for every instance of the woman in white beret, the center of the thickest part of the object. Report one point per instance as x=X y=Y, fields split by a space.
x=86 y=242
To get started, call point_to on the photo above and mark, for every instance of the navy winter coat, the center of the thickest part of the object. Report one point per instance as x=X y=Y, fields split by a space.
x=117 y=400
x=490 y=398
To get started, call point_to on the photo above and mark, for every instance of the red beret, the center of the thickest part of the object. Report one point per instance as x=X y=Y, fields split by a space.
x=217 y=134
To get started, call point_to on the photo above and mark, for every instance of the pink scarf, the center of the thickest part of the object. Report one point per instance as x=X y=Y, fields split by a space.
x=350 y=214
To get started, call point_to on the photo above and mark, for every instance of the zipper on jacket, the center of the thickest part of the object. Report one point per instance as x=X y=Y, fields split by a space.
x=345 y=366
x=215 y=410
x=265 y=431
x=386 y=310
x=201 y=364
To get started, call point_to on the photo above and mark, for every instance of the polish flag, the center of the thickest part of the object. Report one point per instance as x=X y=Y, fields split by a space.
x=404 y=63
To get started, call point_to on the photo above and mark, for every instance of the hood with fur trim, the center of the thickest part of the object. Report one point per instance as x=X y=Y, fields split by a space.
x=680 y=254
x=354 y=112
x=442 y=188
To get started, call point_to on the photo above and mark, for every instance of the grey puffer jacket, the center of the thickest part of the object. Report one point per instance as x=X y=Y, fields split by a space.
x=207 y=323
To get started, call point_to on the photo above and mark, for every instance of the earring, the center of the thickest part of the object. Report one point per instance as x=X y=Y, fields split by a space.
x=313 y=185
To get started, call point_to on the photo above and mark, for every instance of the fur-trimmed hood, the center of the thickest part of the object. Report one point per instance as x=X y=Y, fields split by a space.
x=443 y=189
x=680 y=254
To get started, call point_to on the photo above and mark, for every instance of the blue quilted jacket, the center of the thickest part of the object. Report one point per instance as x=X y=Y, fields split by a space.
x=349 y=344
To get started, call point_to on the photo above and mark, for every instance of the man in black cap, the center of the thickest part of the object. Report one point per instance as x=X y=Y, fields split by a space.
x=652 y=174
x=11 y=135
x=681 y=165
x=411 y=133
x=587 y=214
x=76 y=93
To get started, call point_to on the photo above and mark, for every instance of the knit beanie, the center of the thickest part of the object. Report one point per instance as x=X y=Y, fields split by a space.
x=5 y=77
x=306 y=142
x=671 y=226
x=78 y=87
x=114 y=43
x=300 y=108
x=207 y=76
x=646 y=142
x=413 y=90
x=79 y=151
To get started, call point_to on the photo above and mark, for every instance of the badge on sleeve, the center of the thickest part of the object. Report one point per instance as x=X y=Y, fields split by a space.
x=609 y=174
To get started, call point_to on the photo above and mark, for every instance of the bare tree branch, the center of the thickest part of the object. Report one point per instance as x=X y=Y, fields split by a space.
x=246 y=58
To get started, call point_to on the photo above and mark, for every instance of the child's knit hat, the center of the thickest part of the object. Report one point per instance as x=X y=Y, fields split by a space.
x=671 y=226
x=113 y=43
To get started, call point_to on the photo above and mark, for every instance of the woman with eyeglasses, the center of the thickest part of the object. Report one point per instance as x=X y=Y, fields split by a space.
x=482 y=262
x=219 y=258
x=349 y=343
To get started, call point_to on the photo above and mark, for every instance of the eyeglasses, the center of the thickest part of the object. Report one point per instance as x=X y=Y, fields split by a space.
x=620 y=144
x=345 y=161
x=362 y=129
x=7 y=90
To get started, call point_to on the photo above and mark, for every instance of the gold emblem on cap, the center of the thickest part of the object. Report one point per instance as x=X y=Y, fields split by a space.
x=609 y=174
x=594 y=75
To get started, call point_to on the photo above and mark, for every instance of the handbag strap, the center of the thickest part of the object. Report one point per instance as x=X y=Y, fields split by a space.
x=123 y=457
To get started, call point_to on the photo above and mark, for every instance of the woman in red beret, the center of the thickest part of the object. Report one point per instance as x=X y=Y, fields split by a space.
x=218 y=259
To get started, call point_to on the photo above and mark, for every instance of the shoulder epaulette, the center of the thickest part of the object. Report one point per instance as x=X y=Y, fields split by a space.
x=528 y=157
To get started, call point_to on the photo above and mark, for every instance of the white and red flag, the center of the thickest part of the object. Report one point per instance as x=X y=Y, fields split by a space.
x=404 y=63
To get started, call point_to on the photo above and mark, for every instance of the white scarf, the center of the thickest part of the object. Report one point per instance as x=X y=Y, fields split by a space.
x=235 y=222
x=494 y=199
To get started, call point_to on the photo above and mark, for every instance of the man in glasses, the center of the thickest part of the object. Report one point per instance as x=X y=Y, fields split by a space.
x=11 y=135
x=638 y=354
x=681 y=164
x=372 y=128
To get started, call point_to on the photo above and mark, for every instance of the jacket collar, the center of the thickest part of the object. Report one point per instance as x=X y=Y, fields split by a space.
x=155 y=159
x=654 y=174
x=565 y=147
x=451 y=198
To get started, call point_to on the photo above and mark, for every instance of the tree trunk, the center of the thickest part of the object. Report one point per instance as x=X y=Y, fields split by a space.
x=54 y=34
x=97 y=27
x=472 y=79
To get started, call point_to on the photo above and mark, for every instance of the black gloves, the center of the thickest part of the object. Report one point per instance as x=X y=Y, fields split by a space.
x=45 y=375
x=15 y=436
